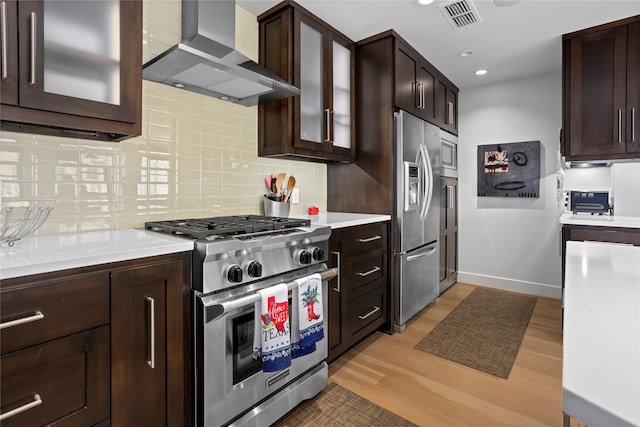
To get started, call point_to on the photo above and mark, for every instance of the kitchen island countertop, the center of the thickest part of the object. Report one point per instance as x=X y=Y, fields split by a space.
x=570 y=218
x=601 y=337
x=343 y=219
x=44 y=254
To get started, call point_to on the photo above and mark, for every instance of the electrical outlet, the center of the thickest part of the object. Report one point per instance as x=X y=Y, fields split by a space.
x=295 y=196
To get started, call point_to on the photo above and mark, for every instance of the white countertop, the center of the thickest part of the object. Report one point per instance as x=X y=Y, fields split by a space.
x=600 y=220
x=43 y=254
x=601 y=344
x=343 y=219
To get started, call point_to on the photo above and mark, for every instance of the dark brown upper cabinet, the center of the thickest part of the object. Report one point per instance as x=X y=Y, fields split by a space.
x=415 y=83
x=601 y=92
x=72 y=68
x=406 y=80
x=318 y=124
x=446 y=105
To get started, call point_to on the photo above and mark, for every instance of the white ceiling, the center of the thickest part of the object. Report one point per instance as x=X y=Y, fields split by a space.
x=511 y=42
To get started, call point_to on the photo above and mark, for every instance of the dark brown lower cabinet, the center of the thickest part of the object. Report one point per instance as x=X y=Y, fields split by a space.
x=448 y=232
x=97 y=346
x=143 y=302
x=61 y=382
x=357 y=298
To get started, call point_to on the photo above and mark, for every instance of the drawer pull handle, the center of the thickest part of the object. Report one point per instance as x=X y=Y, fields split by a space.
x=36 y=401
x=366 y=273
x=152 y=320
x=374 y=309
x=369 y=239
x=37 y=316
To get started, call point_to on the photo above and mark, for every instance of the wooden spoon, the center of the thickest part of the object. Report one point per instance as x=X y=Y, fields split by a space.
x=290 y=185
x=279 y=182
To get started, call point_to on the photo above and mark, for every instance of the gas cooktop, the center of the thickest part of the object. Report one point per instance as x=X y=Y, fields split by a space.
x=203 y=228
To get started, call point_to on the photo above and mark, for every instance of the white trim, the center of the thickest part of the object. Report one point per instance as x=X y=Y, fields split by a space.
x=521 y=286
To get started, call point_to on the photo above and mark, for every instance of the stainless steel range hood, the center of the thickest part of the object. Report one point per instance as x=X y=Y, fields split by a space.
x=206 y=62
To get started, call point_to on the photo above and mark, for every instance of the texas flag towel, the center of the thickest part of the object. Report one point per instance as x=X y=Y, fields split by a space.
x=271 y=339
x=308 y=321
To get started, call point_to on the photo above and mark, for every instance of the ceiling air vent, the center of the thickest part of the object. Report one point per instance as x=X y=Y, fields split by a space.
x=460 y=13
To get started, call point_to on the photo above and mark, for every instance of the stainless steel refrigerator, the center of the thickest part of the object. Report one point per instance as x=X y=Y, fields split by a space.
x=417 y=216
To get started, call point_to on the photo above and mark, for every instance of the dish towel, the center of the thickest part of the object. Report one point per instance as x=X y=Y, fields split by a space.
x=307 y=326
x=271 y=338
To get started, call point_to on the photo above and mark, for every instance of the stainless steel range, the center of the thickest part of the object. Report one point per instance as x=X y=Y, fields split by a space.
x=234 y=257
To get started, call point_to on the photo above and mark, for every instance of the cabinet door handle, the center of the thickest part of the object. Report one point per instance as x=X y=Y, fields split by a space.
x=327 y=116
x=152 y=319
x=337 y=254
x=620 y=125
x=374 y=309
x=3 y=20
x=369 y=239
x=420 y=92
x=32 y=54
x=453 y=197
x=20 y=409
x=36 y=316
x=633 y=124
x=366 y=273
x=450 y=113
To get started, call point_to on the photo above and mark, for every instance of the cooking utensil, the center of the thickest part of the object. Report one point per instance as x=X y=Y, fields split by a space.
x=279 y=182
x=290 y=184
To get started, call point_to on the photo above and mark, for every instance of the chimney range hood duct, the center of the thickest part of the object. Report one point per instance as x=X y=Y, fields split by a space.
x=206 y=62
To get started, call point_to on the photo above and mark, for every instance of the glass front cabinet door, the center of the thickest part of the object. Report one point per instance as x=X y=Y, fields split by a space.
x=78 y=67
x=325 y=79
x=319 y=123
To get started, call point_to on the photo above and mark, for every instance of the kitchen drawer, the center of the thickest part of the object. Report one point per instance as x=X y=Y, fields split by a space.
x=70 y=377
x=367 y=313
x=365 y=238
x=53 y=309
x=364 y=271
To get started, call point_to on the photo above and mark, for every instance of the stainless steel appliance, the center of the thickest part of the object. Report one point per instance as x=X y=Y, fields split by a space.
x=591 y=202
x=206 y=62
x=233 y=258
x=417 y=204
x=449 y=154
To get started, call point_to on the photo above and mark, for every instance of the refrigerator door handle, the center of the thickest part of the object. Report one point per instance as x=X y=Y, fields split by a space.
x=428 y=182
x=422 y=255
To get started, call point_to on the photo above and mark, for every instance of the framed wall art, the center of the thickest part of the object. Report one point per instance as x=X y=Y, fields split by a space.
x=509 y=169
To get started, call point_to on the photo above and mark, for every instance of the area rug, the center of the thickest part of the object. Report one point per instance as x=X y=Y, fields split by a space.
x=483 y=332
x=337 y=406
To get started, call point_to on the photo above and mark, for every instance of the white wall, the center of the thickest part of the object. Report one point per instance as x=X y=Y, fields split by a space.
x=511 y=243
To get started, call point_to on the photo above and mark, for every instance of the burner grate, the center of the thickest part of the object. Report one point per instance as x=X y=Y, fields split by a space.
x=202 y=228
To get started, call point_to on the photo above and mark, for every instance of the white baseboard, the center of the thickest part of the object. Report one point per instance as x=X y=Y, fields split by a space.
x=531 y=288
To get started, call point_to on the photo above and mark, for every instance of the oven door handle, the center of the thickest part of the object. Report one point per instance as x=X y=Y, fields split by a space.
x=216 y=310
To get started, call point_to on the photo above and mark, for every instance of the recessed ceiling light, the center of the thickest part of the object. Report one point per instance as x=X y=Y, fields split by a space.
x=481 y=72
x=505 y=3
x=425 y=2
x=178 y=85
x=466 y=53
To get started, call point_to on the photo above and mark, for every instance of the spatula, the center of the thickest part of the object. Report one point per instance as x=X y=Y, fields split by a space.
x=290 y=185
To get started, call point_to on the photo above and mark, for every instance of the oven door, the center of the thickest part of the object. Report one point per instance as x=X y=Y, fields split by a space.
x=229 y=382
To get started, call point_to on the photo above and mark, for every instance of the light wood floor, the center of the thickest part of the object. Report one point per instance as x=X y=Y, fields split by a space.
x=431 y=391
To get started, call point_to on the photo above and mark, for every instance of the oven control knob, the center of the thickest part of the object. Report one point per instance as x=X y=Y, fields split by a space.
x=254 y=269
x=304 y=257
x=234 y=274
x=318 y=254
